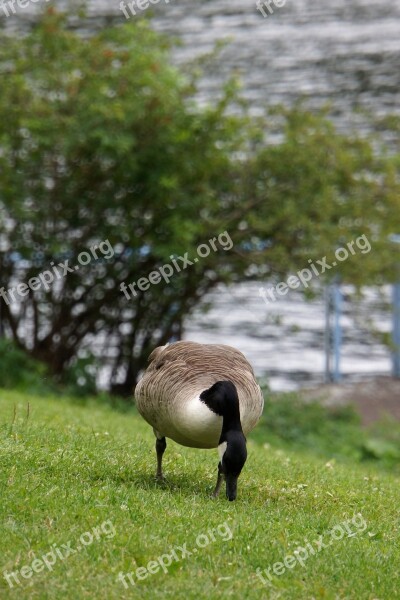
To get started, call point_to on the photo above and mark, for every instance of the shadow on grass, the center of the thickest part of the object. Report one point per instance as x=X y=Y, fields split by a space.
x=186 y=484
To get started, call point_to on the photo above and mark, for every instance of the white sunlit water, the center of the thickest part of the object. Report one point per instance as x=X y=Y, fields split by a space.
x=284 y=340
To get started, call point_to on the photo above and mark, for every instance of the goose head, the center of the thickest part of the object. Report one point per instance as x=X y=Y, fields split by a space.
x=222 y=398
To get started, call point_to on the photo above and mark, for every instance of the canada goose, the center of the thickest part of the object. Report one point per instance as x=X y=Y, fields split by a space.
x=202 y=396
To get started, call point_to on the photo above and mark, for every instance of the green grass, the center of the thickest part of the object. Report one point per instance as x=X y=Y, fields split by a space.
x=66 y=468
x=333 y=432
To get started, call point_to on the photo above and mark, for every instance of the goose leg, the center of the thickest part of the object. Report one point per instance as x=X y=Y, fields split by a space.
x=219 y=482
x=161 y=444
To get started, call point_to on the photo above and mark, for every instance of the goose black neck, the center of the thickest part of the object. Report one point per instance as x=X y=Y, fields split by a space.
x=222 y=398
x=231 y=417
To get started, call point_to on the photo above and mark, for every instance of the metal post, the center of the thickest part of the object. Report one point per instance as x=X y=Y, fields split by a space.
x=327 y=334
x=337 y=330
x=396 y=330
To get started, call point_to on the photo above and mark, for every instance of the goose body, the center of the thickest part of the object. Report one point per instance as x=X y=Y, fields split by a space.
x=201 y=396
x=168 y=395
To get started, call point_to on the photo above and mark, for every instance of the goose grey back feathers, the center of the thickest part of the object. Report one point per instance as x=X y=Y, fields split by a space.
x=168 y=395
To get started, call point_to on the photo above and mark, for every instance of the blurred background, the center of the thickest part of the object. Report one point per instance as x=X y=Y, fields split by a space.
x=160 y=131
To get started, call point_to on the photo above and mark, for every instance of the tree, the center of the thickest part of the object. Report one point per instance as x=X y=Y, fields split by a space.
x=103 y=145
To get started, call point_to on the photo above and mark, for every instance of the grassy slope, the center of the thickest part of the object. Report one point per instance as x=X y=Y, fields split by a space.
x=69 y=468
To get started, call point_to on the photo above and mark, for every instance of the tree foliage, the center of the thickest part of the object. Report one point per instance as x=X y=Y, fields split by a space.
x=101 y=139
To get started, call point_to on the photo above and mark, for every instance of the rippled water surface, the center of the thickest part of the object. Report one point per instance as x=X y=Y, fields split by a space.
x=343 y=51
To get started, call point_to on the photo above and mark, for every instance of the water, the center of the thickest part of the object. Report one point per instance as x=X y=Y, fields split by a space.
x=284 y=340
x=345 y=52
